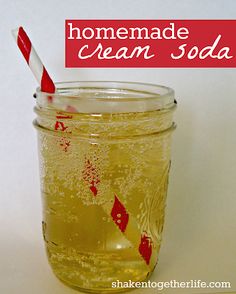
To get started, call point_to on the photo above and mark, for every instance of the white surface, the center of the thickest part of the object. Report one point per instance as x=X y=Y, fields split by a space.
x=199 y=236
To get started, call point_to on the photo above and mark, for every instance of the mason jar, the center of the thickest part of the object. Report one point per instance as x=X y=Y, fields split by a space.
x=104 y=150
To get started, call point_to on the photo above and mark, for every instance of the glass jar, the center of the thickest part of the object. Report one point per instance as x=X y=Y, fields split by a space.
x=104 y=151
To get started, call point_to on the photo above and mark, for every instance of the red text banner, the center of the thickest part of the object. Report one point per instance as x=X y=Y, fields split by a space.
x=150 y=43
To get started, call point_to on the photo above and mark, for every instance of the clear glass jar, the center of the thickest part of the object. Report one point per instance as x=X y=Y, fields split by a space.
x=104 y=151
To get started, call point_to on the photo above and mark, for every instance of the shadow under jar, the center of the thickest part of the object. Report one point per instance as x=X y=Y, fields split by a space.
x=104 y=150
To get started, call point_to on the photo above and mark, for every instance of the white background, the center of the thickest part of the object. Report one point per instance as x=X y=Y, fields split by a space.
x=199 y=236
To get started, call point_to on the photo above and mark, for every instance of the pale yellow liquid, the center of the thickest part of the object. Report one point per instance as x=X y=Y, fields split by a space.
x=131 y=157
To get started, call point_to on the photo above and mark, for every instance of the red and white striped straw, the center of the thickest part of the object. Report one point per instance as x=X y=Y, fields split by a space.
x=33 y=60
x=125 y=222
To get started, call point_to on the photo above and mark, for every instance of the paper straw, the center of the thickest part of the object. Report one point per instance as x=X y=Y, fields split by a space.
x=33 y=60
x=125 y=222
x=128 y=224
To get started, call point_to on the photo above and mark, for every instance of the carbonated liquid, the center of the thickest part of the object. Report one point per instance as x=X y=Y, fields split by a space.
x=104 y=182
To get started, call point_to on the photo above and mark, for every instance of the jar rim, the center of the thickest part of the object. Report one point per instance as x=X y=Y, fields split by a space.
x=110 y=93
